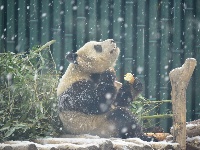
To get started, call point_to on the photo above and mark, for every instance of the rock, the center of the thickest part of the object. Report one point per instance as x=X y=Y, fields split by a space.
x=87 y=143
x=165 y=146
x=20 y=145
x=5 y=147
x=169 y=138
x=75 y=143
x=130 y=144
x=193 y=143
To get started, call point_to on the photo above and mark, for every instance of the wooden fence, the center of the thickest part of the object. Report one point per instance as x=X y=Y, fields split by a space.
x=154 y=36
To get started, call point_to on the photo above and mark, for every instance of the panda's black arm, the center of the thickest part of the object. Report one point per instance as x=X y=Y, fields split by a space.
x=127 y=93
x=88 y=97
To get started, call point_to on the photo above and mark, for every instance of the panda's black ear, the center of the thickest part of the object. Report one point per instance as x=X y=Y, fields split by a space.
x=71 y=57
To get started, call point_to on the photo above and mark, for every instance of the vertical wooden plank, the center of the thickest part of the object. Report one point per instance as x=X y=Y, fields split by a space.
x=158 y=49
x=194 y=100
x=45 y=20
x=104 y=19
x=87 y=9
x=164 y=61
x=135 y=38
x=152 y=59
x=117 y=19
x=110 y=18
x=140 y=39
x=21 y=26
x=2 y=24
x=34 y=23
x=170 y=63
x=146 y=48
x=122 y=39
x=152 y=49
x=80 y=23
x=62 y=35
x=197 y=56
x=98 y=21
x=177 y=23
x=39 y=14
x=74 y=23
x=68 y=17
x=57 y=32
x=68 y=30
x=188 y=35
x=128 y=37
x=27 y=25
x=16 y=9
x=10 y=42
x=92 y=20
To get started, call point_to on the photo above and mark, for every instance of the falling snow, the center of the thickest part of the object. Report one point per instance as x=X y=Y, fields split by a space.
x=44 y=14
x=9 y=76
x=140 y=69
x=2 y=7
x=120 y=19
x=61 y=68
x=127 y=30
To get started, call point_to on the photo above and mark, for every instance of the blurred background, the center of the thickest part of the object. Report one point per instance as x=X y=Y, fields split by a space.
x=154 y=36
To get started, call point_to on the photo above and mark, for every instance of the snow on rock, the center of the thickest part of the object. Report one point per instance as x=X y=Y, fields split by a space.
x=87 y=142
x=18 y=145
x=193 y=143
x=74 y=143
x=130 y=144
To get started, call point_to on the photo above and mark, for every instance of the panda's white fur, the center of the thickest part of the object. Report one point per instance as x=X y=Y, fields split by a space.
x=80 y=123
x=97 y=58
x=88 y=59
x=89 y=62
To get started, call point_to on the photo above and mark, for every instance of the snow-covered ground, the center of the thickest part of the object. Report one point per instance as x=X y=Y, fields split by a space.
x=88 y=142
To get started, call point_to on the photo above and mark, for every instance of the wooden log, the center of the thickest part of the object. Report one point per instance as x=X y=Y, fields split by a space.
x=193 y=128
x=179 y=78
x=158 y=136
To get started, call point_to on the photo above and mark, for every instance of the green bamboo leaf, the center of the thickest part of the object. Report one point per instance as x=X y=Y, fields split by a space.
x=4 y=128
x=139 y=110
x=9 y=132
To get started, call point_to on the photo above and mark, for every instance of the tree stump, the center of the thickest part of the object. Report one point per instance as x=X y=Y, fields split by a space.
x=179 y=78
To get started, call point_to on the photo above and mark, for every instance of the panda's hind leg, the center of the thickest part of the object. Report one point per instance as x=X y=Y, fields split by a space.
x=126 y=125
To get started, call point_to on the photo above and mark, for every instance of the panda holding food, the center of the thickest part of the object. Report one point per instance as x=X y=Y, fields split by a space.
x=90 y=99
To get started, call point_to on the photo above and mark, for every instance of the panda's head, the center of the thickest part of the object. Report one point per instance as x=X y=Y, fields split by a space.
x=95 y=57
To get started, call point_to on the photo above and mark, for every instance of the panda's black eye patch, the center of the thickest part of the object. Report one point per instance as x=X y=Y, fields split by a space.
x=98 y=48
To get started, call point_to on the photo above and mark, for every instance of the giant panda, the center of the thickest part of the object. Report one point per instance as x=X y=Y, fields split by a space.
x=89 y=100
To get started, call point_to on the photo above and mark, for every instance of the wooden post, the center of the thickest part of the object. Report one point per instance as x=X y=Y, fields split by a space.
x=179 y=78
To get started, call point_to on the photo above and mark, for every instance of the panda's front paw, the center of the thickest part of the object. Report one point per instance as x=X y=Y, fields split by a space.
x=108 y=76
x=137 y=85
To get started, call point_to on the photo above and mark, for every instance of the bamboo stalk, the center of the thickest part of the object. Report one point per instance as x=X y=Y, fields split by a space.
x=146 y=102
x=158 y=116
x=45 y=46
